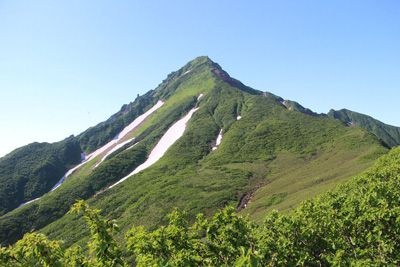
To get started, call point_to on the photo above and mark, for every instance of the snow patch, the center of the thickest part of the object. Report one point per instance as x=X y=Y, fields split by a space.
x=166 y=141
x=57 y=185
x=218 y=141
x=132 y=146
x=110 y=144
x=68 y=173
x=238 y=117
x=101 y=149
x=30 y=201
x=139 y=120
x=186 y=72
x=112 y=150
x=113 y=144
x=85 y=159
x=126 y=130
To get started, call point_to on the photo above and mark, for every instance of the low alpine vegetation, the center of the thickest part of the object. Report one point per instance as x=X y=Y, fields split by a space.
x=356 y=224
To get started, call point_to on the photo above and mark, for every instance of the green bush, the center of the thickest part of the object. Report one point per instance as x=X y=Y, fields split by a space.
x=357 y=224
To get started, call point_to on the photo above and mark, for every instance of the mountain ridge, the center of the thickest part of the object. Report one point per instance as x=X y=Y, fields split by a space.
x=260 y=136
x=389 y=134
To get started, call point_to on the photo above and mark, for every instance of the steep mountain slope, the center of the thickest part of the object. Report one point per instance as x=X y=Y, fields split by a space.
x=180 y=89
x=267 y=156
x=387 y=133
x=32 y=170
x=356 y=224
x=41 y=168
x=101 y=134
x=253 y=158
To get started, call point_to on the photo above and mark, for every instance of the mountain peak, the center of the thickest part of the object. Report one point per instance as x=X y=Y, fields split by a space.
x=201 y=60
x=200 y=66
x=220 y=73
x=219 y=156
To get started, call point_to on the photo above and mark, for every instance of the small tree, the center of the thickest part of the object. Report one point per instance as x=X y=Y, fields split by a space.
x=102 y=246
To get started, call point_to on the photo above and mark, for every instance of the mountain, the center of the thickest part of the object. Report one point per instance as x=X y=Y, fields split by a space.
x=355 y=224
x=390 y=135
x=294 y=106
x=200 y=141
x=32 y=170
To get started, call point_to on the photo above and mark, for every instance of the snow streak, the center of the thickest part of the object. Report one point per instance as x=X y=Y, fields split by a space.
x=167 y=140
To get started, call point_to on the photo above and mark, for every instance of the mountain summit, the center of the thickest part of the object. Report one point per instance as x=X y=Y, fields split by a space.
x=200 y=141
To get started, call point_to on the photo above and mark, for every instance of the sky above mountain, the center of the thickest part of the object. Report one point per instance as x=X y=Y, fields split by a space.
x=65 y=66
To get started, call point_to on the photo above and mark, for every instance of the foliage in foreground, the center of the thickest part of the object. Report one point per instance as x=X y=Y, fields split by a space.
x=357 y=224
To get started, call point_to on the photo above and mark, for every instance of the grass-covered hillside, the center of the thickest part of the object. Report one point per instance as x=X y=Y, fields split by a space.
x=355 y=224
x=98 y=135
x=32 y=170
x=273 y=156
x=179 y=91
x=270 y=157
x=390 y=135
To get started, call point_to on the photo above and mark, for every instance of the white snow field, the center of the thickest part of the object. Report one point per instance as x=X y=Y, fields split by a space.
x=112 y=150
x=167 y=140
x=139 y=120
x=113 y=145
x=30 y=201
x=132 y=146
x=68 y=173
x=218 y=141
x=125 y=131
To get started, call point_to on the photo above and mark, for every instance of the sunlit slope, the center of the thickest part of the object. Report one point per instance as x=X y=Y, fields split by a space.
x=276 y=156
x=390 y=135
x=179 y=92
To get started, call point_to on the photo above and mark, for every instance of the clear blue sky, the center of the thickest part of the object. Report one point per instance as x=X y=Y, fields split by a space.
x=67 y=65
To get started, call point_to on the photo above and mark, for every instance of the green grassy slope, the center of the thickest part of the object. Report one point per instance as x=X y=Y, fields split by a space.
x=98 y=135
x=30 y=171
x=387 y=133
x=102 y=133
x=86 y=181
x=256 y=153
x=252 y=162
x=355 y=224
x=292 y=178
